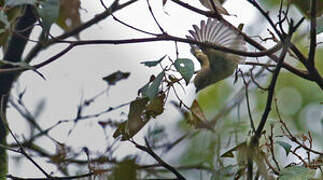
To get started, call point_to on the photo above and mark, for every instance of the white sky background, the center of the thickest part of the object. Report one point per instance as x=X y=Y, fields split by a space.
x=79 y=73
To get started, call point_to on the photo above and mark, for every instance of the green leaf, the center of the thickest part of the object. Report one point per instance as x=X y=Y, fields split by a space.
x=126 y=169
x=48 y=12
x=296 y=173
x=153 y=63
x=19 y=2
x=186 y=68
x=319 y=25
x=4 y=19
x=151 y=89
x=113 y=78
x=285 y=145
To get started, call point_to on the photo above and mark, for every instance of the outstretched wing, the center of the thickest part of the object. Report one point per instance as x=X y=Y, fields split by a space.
x=218 y=33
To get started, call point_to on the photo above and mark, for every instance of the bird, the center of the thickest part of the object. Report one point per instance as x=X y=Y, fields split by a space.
x=216 y=65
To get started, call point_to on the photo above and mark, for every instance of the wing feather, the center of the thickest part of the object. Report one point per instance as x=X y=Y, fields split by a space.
x=218 y=33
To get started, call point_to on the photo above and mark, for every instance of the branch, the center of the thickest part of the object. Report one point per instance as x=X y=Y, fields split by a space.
x=271 y=90
x=158 y=159
x=311 y=54
x=49 y=60
x=52 y=178
x=113 y=8
x=141 y=40
x=21 y=148
x=211 y=14
x=291 y=136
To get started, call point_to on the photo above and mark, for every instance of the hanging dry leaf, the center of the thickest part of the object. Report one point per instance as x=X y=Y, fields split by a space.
x=69 y=15
x=218 y=6
x=197 y=117
x=113 y=78
x=140 y=112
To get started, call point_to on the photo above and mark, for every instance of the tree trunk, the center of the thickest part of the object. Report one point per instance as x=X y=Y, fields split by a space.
x=16 y=46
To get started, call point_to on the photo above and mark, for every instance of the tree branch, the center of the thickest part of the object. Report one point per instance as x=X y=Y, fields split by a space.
x=113 y=8
x=158 y=159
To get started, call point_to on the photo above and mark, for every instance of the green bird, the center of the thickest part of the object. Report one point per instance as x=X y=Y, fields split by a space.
x=215 y=65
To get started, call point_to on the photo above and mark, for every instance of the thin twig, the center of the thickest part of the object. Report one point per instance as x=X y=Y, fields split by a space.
x=271 y=138
x=132 y=27
x=158 y=159
x=248 y=103
x=266 y=15
x=259 y=64
x=21 y=148
x=280 y=22
x=52 y=178
x=153 y=15
x=125 y=24
x=290 y=135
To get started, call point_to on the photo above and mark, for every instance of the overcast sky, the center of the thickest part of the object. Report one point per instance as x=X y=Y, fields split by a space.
x=79 y=72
